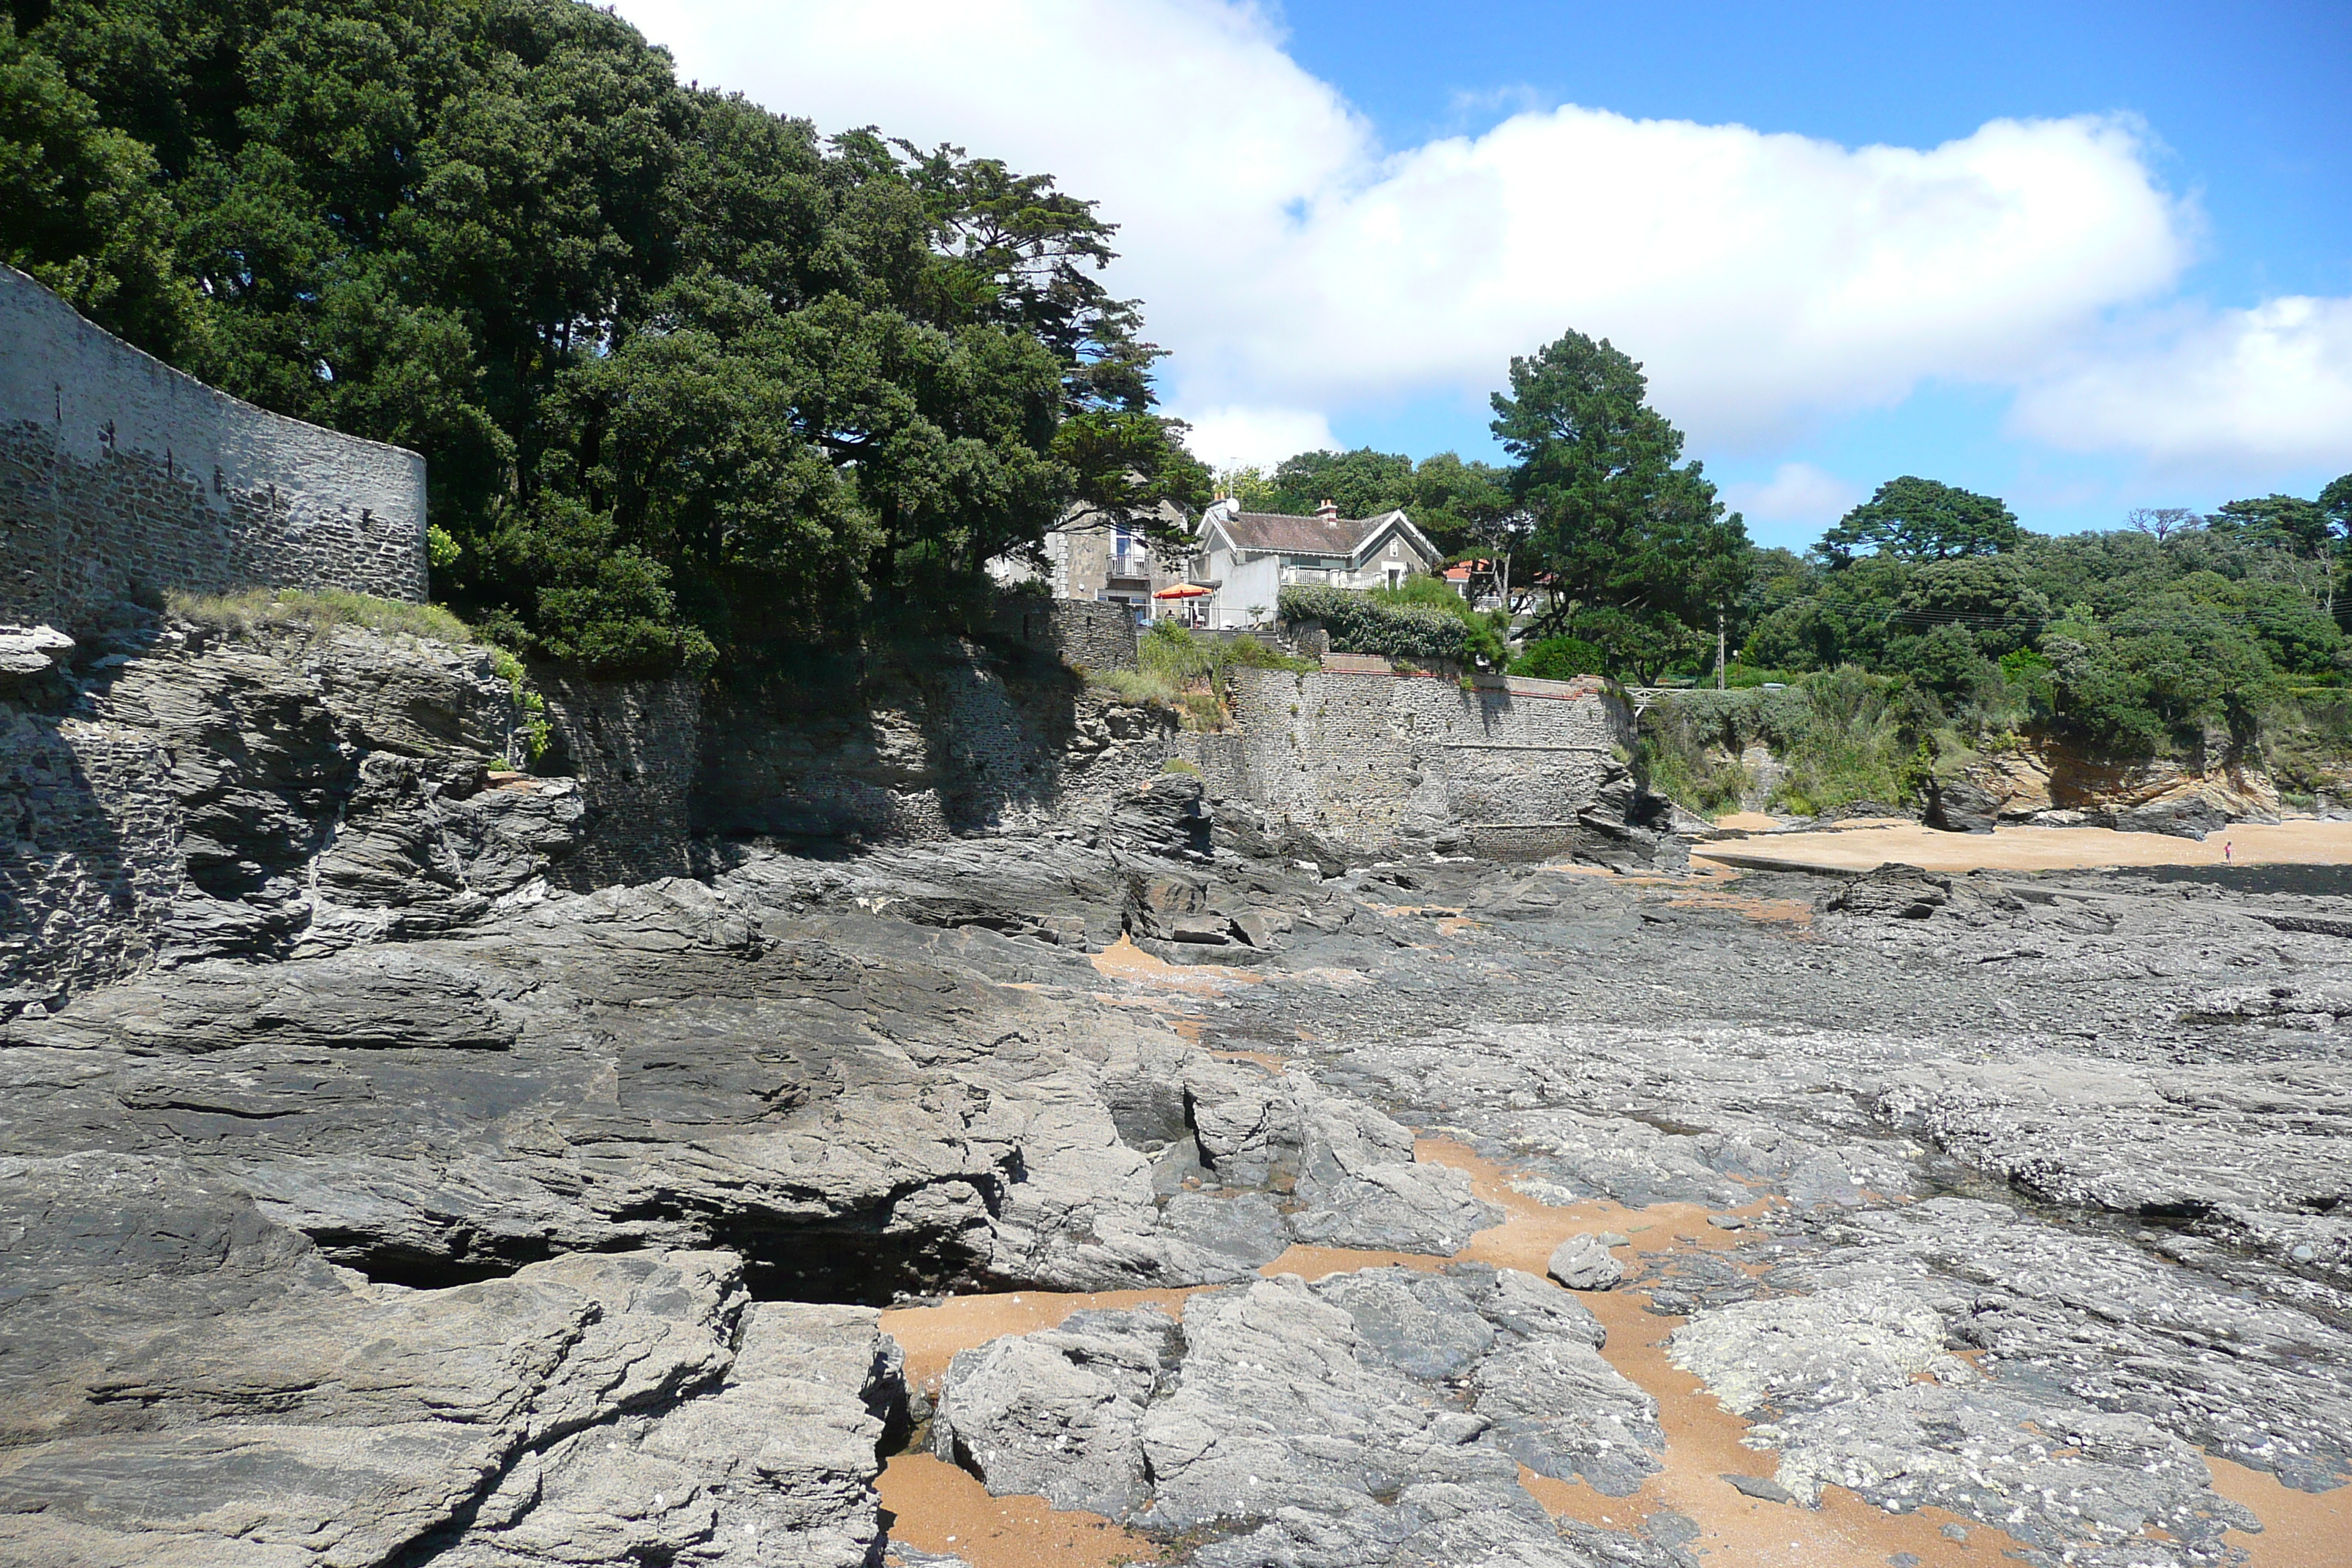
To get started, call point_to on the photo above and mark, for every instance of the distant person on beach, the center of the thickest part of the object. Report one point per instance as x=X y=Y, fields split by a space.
x=2226 y=846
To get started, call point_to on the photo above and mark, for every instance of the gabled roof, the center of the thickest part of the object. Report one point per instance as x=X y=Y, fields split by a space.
x=1310 y=535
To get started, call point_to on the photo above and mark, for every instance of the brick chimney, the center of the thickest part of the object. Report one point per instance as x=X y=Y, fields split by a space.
x=1327 y=513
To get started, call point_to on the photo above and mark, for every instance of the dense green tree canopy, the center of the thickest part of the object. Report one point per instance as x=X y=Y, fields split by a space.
x=2127 y=640
x=684 y=372
x=1636 y=549
x=1922 y=519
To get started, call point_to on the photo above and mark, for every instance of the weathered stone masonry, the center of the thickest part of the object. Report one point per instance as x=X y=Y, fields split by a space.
x=1380 y=763
x=634 y=746
x=119 y=476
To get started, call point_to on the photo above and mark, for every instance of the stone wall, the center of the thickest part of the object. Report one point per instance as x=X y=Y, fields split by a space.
x=1384 y=763
x=634 y=747
x=925 y=742
x=120 y=476
x=1086 y=634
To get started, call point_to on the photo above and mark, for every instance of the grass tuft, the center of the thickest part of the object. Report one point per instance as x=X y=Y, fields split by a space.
x=319 y=610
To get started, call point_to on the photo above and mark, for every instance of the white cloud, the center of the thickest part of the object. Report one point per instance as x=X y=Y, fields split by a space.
x=1259 y=437
x=1289 y=261
x=2247 y=390
x=1796 y=493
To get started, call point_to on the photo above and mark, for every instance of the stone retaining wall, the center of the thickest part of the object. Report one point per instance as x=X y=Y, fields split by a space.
x=120 y=476
x=1086 y=634
x=634 y=746
x=1382 y=763
x=925 y=742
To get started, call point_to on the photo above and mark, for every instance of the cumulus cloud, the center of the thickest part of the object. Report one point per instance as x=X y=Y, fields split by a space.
x=2266 y=387
x=1796 y=493
x=1291 y=262
x=1230 y=437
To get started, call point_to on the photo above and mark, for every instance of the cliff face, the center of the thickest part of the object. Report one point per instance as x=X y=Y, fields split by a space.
x=176 y=792
x=922 y=744
x=2047 y=775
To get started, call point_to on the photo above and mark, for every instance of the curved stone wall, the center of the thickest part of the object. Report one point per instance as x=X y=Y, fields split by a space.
x=120 y=476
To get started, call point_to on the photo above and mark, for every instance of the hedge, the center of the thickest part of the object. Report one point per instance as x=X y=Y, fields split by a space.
x=1359 y=624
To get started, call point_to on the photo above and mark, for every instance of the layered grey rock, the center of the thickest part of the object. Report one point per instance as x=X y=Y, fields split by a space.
x=479 y=1150
x=1378 y=1416
x=184 y=791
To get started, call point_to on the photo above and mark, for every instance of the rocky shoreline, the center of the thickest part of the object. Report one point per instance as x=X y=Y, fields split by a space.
x=568 y=1237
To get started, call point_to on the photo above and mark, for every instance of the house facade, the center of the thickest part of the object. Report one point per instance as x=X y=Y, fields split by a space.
x=1247 y=558
x=1089 y=556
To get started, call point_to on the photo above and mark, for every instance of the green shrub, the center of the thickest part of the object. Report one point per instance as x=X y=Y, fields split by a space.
x=1558 y=658
x=1362 y=623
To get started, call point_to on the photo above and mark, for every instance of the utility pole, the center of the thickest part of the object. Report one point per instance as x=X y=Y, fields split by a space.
x=1718 y=650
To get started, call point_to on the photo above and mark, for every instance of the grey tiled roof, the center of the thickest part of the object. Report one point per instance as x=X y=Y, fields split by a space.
x=1299 y=535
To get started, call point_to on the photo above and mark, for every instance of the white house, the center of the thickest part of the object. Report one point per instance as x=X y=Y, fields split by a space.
x=1249 y=557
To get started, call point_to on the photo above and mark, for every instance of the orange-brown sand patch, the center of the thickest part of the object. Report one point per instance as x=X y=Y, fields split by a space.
x=940 y=1507
x=2300 y=1529
x=2303 y=842
x=931 y=1335
x=935 y=1505
x=1764 y=912
x=1703 y=1439
x=1122 y=959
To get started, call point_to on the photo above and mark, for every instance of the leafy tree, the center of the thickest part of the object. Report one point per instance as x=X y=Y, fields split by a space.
x=78 y=206
x=2336 y=501
x=1464 y=508
x=1922 y=519
x=2277 y=522
x=2291 y=530
x=687 y=377
x=1361 y=483
x=1632 y=541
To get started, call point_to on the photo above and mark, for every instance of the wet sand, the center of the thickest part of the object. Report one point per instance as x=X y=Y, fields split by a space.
x=1122 y=959
x=1703 y=1439
x=940 y=1507
x=932 y=1505
x=2303 y=842
x=2300 y=1529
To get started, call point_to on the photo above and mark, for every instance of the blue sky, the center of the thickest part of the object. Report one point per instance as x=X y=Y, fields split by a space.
x=2085 y=258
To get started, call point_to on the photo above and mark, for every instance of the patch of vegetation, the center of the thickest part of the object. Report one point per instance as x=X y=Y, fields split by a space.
x=1190 y=673
x=1843 y=736
x=320 y=611
x=1425 y=620
x=1153 y=686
